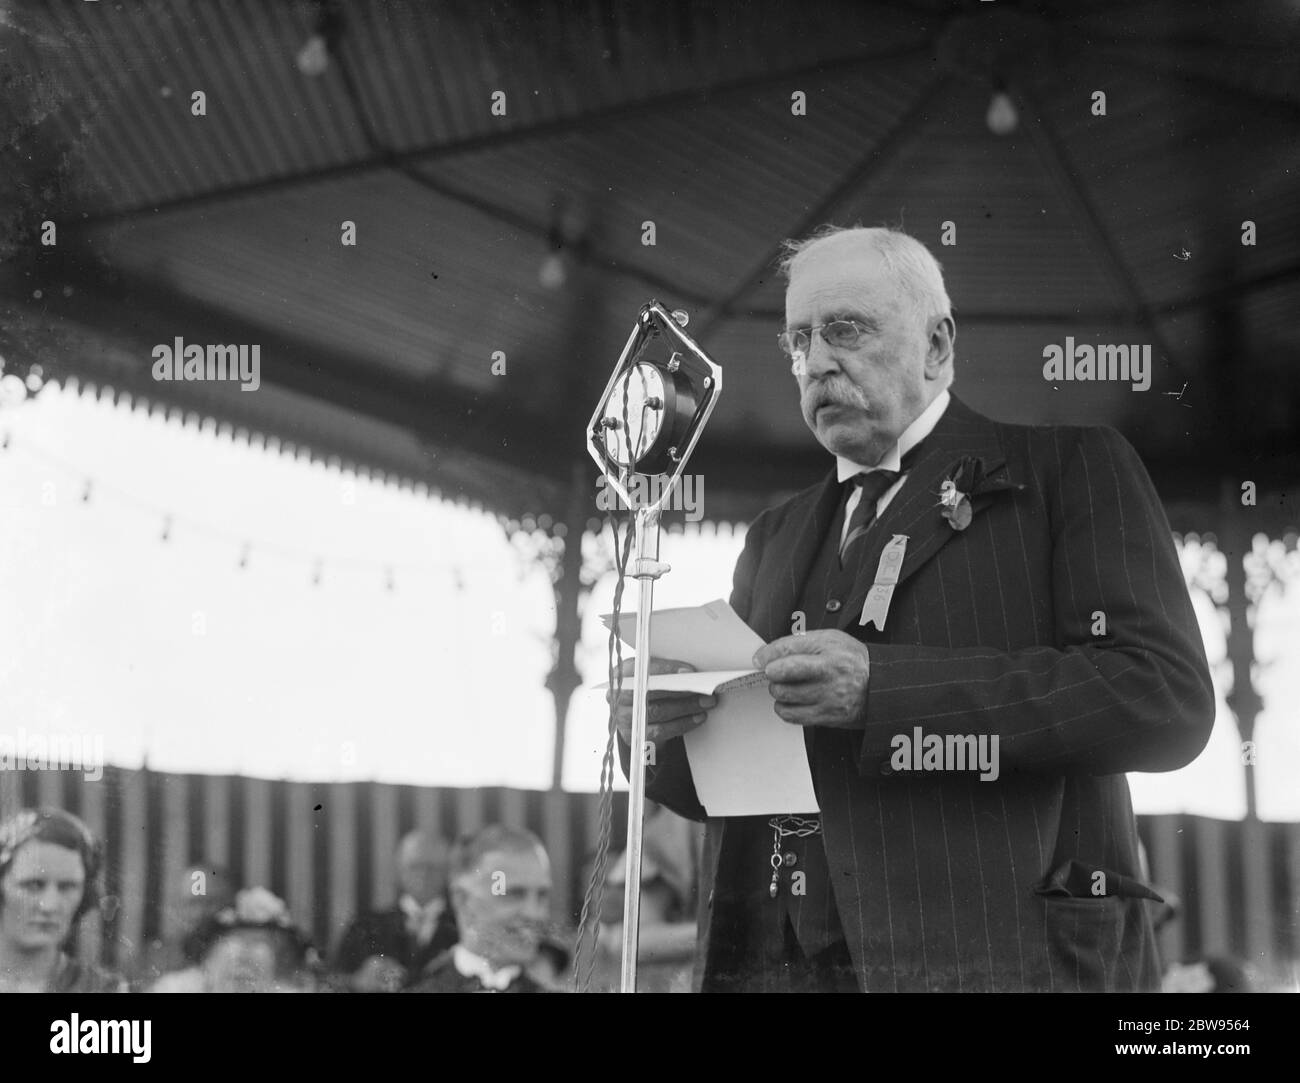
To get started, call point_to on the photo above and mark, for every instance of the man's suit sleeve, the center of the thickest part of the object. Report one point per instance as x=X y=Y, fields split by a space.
x=1138 y=698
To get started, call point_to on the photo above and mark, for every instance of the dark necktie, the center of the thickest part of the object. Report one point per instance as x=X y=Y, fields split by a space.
x=872 y=486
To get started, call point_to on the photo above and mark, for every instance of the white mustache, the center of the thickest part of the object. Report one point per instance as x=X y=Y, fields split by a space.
x=834 y=390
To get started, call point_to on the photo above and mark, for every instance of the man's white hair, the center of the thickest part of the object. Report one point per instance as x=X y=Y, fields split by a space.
x=917 y=272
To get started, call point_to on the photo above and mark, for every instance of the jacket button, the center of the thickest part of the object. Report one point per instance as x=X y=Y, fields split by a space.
x=834 y=605
x=885 y=769
x=789 y=858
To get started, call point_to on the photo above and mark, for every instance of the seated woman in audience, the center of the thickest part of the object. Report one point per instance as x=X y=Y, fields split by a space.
x=666 y=944
x=251 y=947
x=669 y=872
x=49 y=864
x=191 y=897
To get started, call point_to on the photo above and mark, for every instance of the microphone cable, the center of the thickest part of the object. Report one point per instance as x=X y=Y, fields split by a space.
x=589 y=921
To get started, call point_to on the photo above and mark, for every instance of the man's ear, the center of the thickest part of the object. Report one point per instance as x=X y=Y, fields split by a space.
x=940 y=347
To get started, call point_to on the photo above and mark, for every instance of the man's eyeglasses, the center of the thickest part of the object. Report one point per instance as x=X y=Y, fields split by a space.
x=844 y=334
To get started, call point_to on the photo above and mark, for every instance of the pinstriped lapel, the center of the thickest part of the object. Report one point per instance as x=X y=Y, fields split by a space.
x=914 y=511
x=783 y=571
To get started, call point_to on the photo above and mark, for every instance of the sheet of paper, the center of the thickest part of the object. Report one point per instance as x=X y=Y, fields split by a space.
x=744 y=760
x=707 y=637
x=703 y=683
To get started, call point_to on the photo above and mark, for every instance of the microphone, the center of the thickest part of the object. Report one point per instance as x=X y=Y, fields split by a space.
x=648 y=420
x=655 y=406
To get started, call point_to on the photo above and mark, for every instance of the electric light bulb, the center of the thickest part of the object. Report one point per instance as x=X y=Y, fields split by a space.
x=552 y=274
x=314 y=57
x=1002 y=117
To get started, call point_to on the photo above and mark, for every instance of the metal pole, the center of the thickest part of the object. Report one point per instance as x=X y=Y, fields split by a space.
x=647 y=569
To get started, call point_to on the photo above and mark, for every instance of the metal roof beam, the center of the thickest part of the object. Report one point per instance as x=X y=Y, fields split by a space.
x=1284 y=109
x=561 y=126
x=882 y=152
x=1056 y=161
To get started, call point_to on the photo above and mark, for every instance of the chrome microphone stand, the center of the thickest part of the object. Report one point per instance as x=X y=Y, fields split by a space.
x=672 y=402
x=647 y=569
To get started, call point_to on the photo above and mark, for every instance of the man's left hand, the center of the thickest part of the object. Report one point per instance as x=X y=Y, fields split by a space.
x=817 y=678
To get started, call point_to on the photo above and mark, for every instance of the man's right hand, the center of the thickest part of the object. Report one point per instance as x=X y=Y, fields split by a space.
x=669 y=714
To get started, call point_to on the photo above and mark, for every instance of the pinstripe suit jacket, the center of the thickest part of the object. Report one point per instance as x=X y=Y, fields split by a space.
x=944 y=882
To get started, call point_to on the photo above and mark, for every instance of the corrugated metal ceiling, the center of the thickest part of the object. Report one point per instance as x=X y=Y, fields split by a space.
x=1125 y=227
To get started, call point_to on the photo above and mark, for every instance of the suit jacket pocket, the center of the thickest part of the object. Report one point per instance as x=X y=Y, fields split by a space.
x=1097 y=943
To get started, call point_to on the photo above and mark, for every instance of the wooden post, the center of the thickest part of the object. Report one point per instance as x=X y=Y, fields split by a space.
x=133 y=863
x=564 y=678
x=343 y=862
x=1243 y=699
x=383 y=844
x=1168 y=874
x=1213 y=896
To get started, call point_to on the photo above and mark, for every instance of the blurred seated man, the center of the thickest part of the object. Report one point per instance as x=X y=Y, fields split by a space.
x=383 y=950
x=250 y=947
x=500 y=891
x=199 y=892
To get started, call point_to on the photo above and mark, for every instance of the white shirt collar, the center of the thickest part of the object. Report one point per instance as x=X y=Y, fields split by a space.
x=917 y=431
x=407 y=904
x=470 y=965
x=421 y=921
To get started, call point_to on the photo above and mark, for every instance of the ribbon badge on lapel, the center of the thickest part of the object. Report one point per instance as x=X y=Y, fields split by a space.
x=968 y=478
x=881 y=593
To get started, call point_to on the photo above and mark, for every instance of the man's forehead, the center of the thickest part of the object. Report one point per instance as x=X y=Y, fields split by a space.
x=520 y=868
x=422 y=849
x=838 y=278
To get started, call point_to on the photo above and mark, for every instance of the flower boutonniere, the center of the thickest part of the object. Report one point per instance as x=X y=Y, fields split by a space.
x=968 y=478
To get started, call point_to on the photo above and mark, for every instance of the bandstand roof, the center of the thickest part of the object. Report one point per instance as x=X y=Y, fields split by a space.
x=225 y=228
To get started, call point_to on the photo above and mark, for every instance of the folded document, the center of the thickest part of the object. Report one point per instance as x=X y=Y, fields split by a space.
x=744 y=760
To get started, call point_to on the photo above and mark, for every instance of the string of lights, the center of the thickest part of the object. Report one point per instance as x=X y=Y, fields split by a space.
x=174 y=525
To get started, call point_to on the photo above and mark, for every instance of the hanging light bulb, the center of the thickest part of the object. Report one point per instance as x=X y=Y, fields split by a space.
x=314 y=57
x=1002 y=118
x=553 y=274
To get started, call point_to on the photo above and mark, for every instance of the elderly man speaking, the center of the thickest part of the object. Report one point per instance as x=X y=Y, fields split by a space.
x=954 y=583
